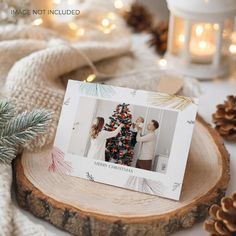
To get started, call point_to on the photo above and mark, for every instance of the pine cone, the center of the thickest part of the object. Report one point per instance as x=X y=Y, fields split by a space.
x=159 y=37
x=225 y=118
x=222 y=218
x=139 y=18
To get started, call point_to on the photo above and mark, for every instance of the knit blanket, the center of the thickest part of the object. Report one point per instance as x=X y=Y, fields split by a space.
x=35 y=65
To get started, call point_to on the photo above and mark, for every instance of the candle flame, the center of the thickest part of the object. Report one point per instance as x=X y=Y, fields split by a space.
x=181 y=38
x=199 y=30
x=202 y=44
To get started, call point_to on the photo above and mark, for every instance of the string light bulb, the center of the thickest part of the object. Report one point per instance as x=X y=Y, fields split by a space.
x=38 y=21
x=162 y=62
x=90 y=78
x=111 y=16
x=107 y=25
x=56 y=2
x=72 y=26
x=105 y=22
x=71 y=2
x=118 y=4
x=80 y=32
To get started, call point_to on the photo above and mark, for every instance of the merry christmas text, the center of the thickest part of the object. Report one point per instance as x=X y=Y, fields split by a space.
x=115 y=167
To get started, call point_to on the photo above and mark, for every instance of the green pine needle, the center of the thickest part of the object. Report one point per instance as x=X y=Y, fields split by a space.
x=23 y=128
x=6 y=112
x=7 y=155
x=16 y=131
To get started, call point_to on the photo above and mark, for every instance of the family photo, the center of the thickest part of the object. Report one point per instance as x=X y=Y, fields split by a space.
x=123 y=133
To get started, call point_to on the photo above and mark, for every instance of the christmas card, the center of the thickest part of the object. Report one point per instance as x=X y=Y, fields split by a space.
x=134 y=139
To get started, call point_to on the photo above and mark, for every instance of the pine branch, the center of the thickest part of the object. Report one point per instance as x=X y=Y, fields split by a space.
x=7 y=155
x=6 y=112
x=24 y=127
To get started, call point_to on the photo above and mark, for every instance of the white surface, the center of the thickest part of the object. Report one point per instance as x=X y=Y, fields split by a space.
x=213 y=93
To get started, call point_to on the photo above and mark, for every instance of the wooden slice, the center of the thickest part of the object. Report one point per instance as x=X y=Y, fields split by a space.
x=83 y=207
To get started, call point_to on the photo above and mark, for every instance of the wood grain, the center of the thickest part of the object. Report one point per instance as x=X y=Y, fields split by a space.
x=84 y=207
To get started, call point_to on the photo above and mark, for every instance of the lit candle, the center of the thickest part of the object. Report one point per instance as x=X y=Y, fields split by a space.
x=181 y=39
x=202 y=49
x=202 y=44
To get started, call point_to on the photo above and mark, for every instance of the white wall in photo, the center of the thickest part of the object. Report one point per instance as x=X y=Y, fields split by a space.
x=82 y=124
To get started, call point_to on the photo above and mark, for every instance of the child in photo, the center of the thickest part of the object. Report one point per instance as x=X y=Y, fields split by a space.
x=98 y=139
x=148 y=146
x=134 y=129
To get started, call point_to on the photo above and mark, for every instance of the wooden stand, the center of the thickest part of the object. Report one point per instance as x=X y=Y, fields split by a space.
x=83 y=207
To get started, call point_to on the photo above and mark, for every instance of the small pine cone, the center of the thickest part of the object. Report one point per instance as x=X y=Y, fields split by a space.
x=222 y=218
x=225 y=118
x=139 y=18
x=159 y=37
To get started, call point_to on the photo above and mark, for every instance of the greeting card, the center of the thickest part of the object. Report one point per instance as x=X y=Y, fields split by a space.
x=128 y=138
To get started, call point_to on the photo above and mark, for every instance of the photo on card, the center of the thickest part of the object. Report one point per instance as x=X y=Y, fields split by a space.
x=128 y=138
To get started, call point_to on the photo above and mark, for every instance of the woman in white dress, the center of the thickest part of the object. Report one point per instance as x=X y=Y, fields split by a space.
x=99 y=138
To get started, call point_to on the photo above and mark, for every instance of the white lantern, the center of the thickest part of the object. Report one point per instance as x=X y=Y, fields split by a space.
x=199 y=36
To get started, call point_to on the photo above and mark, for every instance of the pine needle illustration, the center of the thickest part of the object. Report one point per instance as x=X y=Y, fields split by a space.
x=99 y=90
x=171 y=101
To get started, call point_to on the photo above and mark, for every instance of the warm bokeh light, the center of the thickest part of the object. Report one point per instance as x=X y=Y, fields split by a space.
x=80 y=32
x=202 y=44
x=111 y=16
x=105 y=22
x=91 y=78
x=181 y=38
x=56 y=1
x=72 y=26
x=162 y=62
x=118 y=4
x=199 y=30
x=38 y=21
x=232 y=48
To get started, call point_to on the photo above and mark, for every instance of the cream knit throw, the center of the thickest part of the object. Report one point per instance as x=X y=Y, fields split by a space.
x=12 y=221
x=31 y=61
x=33 y=80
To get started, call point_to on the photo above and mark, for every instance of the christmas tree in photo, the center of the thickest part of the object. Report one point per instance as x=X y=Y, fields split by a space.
x=119 y=149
